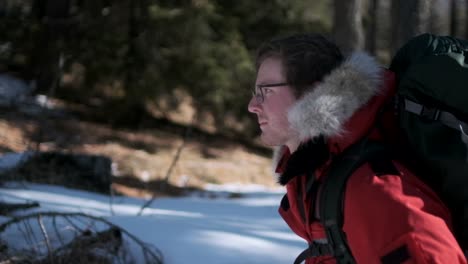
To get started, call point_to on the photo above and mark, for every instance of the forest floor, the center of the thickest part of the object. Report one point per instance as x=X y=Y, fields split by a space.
x=142 y=158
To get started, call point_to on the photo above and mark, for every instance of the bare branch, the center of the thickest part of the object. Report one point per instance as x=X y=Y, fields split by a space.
x=46 y=237
x=188 y=131
x=92 y=240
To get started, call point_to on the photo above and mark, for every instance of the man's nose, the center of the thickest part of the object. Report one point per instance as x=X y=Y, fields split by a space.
x=254 y=106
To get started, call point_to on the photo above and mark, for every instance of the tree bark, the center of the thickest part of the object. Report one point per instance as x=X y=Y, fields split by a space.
x=371 y=32
x=347 y=25
x=409 y=18
x=459 y=21
x=440 y=19
x=378 y=29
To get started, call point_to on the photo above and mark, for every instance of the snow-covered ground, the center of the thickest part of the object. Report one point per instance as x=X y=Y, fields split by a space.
x=186 y=230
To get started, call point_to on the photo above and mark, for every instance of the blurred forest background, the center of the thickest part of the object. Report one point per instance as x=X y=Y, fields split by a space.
x=155 y=77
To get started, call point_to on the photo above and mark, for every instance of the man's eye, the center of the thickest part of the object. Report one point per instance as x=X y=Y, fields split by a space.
x=267 y=90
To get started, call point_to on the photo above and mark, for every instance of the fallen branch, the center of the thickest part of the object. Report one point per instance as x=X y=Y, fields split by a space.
x=171 y=167
x=71 y=238
x=7 y=208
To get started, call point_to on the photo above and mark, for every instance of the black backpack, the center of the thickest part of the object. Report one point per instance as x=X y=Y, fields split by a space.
x=432 y=108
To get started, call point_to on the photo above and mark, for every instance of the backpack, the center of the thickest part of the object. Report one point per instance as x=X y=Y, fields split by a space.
x=431 y=103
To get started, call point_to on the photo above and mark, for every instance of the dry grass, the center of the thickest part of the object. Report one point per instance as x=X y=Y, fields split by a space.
x=143 y=155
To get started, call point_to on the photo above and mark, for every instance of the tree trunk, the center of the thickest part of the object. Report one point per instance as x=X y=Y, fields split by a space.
x=131 y=52
x=378 y=33
x=58 y=9
x=371 y=30
x=54 y=26
x=409 y=18
x=3 y=10
x=347 y=25
x=459 y=22
x=440 y=17
x=384 y=30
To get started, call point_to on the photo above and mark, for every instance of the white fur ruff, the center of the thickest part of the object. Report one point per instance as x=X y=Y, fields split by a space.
x=328 y=105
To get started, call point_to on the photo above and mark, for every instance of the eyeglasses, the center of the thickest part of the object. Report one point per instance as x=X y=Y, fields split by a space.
x=257 y=92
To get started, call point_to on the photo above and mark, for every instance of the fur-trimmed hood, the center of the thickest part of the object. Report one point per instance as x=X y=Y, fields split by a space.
x=325 y=109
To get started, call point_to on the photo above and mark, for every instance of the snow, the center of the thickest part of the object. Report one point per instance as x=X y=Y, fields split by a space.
x=9 y=160
x=190 y=229
x=11 y=88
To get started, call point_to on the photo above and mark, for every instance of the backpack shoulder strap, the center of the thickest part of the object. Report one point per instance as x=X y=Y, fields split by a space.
x=331 y=196
x=330 y=199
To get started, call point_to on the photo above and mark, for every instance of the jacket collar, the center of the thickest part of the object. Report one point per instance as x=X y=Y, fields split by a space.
x=325 y=112
x=306 y=159
x=326 y=107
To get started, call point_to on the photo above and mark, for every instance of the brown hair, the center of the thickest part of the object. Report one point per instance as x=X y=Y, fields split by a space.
x=306 y=58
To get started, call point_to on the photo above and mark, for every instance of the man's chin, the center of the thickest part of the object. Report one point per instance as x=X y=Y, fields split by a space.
x=269 y=142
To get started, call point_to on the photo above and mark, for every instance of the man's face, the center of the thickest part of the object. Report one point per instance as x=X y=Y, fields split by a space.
x=273 y=111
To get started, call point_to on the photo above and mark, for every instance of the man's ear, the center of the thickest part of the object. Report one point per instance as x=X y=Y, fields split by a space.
x=309 y=88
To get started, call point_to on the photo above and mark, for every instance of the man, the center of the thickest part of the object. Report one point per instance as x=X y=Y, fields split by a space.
x=313 y=104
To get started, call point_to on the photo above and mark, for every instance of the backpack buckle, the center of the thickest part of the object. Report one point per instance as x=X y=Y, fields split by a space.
x=456 y=48
x=321 y=249
x=430 y=113
x=463 y=130
x=421 y=110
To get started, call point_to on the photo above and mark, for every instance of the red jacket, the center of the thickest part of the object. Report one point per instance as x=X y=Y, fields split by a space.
x=393 y=215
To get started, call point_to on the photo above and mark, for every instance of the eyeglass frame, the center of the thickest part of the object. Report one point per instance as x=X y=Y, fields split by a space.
x=258 y=95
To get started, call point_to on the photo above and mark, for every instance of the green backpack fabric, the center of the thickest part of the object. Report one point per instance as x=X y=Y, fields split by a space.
x=432 y=107
x=432 y=79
